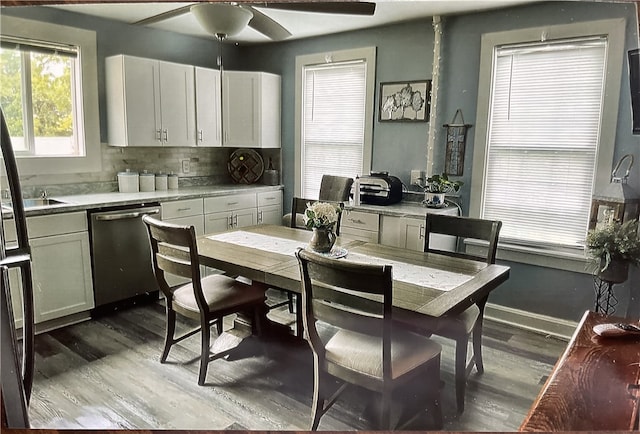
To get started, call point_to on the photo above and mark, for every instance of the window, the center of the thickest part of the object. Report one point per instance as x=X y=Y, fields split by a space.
x=334 y=117
x=548 y=132
x=49 y=96
x=38 y=85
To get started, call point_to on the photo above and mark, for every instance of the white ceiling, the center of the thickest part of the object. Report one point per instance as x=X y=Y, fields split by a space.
x=300 y=24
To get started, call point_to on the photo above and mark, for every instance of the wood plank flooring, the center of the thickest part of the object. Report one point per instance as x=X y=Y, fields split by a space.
x=105 y=374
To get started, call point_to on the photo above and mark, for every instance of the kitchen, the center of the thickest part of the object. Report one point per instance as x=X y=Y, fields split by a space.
x=546 y=298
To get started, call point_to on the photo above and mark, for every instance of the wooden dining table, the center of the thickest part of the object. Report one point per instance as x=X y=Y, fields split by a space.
x=425 y=284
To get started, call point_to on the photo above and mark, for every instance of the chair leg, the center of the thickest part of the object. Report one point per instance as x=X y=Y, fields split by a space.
x=435 y=407
x=385 y=411
x=317 y=406
x=461 y=371
x=169 y=333
x=290 y=304
x=204 y=352
x=477 y=345
x=219 y=325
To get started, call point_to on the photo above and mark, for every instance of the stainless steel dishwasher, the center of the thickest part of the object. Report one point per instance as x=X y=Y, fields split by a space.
x=120 y=254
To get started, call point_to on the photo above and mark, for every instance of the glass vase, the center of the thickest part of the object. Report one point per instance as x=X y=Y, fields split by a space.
x=322 y=240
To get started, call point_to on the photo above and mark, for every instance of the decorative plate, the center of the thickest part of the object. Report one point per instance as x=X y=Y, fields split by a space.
x=245 y=166
x=336 y=253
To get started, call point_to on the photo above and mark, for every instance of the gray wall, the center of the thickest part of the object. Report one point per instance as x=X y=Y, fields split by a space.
x=404 y=52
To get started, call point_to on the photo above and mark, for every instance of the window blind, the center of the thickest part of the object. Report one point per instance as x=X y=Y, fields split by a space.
x=543 y=140
x=333 y=122
x=21 y=44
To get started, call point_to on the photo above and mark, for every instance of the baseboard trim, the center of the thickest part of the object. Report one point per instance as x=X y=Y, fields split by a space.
x=543 y=324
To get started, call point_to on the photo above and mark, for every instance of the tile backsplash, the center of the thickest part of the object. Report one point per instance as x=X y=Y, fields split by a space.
x=207 y=166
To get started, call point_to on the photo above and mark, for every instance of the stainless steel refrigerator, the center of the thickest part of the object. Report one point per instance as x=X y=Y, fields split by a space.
x=17 y=355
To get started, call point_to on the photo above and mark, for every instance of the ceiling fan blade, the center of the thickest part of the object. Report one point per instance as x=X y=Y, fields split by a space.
x=330 y=7
x=164 y=16
x=267 y=26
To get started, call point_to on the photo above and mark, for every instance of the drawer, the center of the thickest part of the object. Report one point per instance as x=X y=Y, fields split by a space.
x=182 y=208
x=358 y=234
x=229 y=203
x=270 y=198
x=360 y=220
x=47 y=225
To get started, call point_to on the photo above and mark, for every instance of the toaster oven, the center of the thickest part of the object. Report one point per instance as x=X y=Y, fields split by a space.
x=379 y=188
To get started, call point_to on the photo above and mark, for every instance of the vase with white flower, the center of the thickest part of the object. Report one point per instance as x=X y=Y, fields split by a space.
x=322 y=217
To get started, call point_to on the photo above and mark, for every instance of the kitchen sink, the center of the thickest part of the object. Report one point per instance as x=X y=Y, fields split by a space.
x=36 y=202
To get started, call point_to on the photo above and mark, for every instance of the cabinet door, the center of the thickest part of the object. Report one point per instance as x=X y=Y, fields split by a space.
x=177 y=102
x=61 y=275
x=245 y=217
x=240 y=99
x=217 y=222
x=412 y=233
x=270 y=215
x=141 y=102
x=208 y=107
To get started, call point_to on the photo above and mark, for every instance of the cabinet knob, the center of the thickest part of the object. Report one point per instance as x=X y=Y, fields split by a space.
x=166 y=135
x=159 y=135
x=200 y=135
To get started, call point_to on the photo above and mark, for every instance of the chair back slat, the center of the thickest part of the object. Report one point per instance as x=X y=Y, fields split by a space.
x=174 y=251
x=344 y=294
x=463 y=228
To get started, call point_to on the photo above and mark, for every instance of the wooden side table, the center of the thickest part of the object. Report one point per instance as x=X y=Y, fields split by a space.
x=594 y=385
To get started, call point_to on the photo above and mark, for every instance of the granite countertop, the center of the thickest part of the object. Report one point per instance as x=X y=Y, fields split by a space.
x=400 y=209
x=83 y=202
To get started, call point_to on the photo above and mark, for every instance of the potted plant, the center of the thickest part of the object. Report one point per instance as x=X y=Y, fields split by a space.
x=321 y=217
x=437 y=187
x=614 y=246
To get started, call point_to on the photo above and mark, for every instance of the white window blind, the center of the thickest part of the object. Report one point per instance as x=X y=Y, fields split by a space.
x=543 y=140
x=333 y=122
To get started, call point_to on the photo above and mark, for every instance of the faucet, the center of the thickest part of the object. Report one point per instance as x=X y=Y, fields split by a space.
x=43 y=194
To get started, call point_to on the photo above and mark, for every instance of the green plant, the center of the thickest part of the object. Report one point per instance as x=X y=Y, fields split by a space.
x=442 y=184
x=322 y=215
x=615 y=241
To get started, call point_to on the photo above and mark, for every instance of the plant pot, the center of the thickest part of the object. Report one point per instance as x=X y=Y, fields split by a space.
x=434 y=199
x=616 y=272
x=322 y=240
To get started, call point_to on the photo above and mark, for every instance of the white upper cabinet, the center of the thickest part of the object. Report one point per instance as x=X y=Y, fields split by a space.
x=149 y=102
x=208 y=110
x=251 y=109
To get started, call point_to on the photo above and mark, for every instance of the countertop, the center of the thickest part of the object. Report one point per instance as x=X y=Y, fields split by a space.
x=400 y=209
x=83 y=202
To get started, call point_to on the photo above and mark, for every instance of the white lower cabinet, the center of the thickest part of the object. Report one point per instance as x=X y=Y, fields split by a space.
x=60 y=265
x=359 y=225
x=270 y=208
x=229 y=212
x=408 y=233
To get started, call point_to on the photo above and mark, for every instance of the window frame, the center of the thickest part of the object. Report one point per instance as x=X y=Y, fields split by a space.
x=613 y=30
x=303 y=61
x=89 y=131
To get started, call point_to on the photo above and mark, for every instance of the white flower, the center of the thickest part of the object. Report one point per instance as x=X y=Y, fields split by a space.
x=321 y=215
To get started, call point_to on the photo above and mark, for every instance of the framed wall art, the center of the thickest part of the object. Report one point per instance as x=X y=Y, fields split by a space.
x=405 y=101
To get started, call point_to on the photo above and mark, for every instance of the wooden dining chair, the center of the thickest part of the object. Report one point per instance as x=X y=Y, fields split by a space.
x=365 y=347
x=332 y=188
x=206 y=299
x=460 y=327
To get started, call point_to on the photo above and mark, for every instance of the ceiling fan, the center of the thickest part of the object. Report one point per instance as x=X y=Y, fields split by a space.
x=226 y=19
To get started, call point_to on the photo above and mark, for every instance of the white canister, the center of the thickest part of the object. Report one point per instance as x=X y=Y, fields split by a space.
x=128 y=182
x=147 y=181
x=161 y=181
x=172 y=181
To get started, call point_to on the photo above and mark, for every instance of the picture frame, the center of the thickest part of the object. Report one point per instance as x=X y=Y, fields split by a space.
x=405 y=101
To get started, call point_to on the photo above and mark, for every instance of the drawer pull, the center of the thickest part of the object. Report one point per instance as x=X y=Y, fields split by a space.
x=232 y=203
x=183 y=209
x=358 y=222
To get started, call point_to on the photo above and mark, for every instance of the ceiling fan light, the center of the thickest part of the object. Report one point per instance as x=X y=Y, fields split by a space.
x=220 y=18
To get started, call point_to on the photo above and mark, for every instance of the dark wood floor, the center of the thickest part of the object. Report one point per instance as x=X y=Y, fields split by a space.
x=105 y=373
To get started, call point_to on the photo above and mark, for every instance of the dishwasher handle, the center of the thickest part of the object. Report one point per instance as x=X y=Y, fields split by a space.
x=126 y=215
